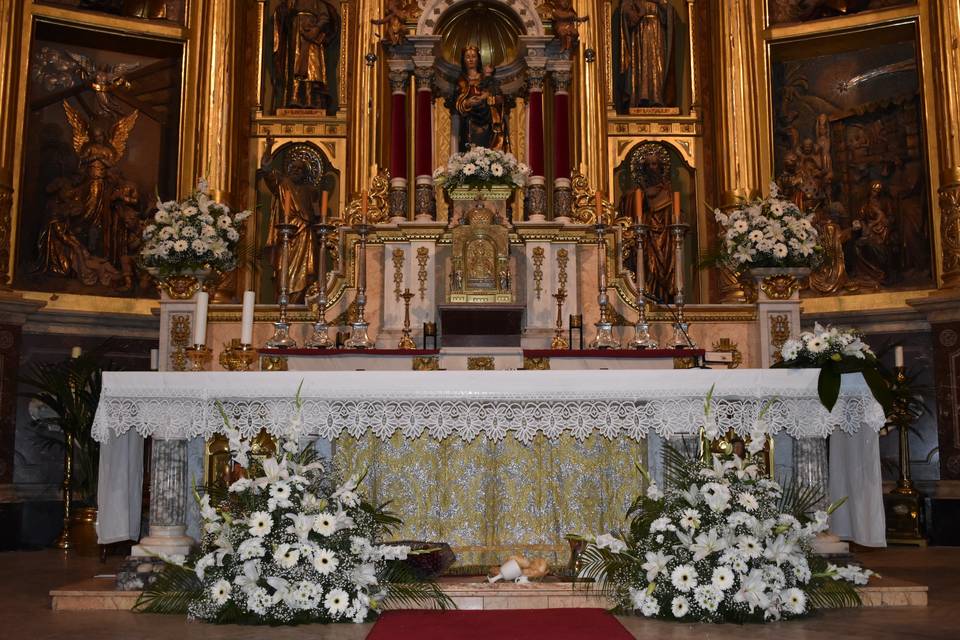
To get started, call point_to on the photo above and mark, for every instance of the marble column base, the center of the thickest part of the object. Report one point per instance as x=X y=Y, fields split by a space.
x=164 y=541
x=827 y=544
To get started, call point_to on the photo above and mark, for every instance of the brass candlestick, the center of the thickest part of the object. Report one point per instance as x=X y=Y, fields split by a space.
x=903 y=419
x=320 y=339
x=237 y=356
x=406 y=342
x=281 y=329
x=559 y=342
x=200 y=357
x=904 y=505
x=358 y=335
x=681 y=337
x=641 y=331
x=604 y=338
x=63 y=540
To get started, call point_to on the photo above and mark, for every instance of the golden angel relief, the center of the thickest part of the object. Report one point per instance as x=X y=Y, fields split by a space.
x=93 y=227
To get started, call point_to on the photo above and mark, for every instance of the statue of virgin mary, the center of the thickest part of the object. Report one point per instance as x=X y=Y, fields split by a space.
x=480 y=105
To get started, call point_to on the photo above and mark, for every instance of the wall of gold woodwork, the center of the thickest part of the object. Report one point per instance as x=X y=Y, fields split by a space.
x=725 y=136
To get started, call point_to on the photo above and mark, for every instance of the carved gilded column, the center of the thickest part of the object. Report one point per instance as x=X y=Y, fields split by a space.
x=10 y=21
x=945 y=16
x=739 y=126
x=590 y=107
x=364 y=100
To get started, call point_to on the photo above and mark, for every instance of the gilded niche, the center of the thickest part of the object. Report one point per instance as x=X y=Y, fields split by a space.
x=849 y=147
x=305 y=51
x=480 y=266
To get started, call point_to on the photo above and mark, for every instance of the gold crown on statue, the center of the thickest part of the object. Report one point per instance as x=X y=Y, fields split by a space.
x=471 y=47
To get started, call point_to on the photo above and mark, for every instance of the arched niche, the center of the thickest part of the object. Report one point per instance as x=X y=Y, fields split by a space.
x=525 y=10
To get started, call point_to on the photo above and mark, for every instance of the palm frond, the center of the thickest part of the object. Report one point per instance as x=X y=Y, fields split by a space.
x=678 y=465
x=172 y=592
x=799 y=500
x=406 y=590
x=827 y=593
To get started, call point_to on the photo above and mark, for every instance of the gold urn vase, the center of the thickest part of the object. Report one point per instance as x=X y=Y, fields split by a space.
x=778 y=283
x=183 y=285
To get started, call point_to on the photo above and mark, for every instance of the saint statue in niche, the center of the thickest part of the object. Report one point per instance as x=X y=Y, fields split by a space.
x=296 y=194
x=303 y=32
x=646 y=39
x=480 y=104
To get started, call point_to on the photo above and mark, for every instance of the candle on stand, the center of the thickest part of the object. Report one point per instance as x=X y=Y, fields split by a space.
x=676 y=207
x=75 y=352
x=638 y=205
x=324 y=200
x=363 y=207
x=154 y=359
x=200 y=318
x=599 y=204
x=246 y=320
x=898 y=356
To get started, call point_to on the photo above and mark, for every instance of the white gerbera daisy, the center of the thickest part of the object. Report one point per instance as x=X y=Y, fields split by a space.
x=260 y=523
x=741 y=226
x=817 y=344
x=794 y=600
x=220 y=592
x=325 y=561
x=180 y=245
x=280 y=493
x=748 y=501
x=286 y=556
x=336 y=602
x=722 y=578
x=684 y=578
x=325 y=524
x=679 y=607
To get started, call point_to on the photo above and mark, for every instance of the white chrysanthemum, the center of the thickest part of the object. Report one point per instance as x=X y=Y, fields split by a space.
x=708 y=597
x=654 y=492
x=260 y=523
x=722 y=578
x=286 y=556
x=794 y=600
x=780 y=250
x=684 y=578
x=251 y=548
x=325 y=524
x=203 y=564
x=198 y=246
x=336 y=602
x=240 y=485
x=679 y=607
x=181 y=245
x=220 y=592
x=325 y=561
x=660 y=524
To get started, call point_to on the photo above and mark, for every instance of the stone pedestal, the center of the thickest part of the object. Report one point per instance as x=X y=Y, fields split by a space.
x=811 y=466
x=778 y=309
x=168 y=502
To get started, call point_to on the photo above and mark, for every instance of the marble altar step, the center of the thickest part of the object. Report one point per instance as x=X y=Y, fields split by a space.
x=98 y=594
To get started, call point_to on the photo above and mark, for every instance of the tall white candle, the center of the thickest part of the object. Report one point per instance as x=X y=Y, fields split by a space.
x=898 y=355
x=200 y=318
x=75 y=352
x=246 y=322
x=154 y=359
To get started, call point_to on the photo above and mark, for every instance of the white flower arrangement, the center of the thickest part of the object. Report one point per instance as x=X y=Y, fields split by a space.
x=813 y=348
x=195 y=233
x=721 y=544
x=768 y=233
x=482 y=168
x=287 y=544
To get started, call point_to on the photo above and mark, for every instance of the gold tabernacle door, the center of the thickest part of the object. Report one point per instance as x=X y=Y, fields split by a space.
x=480 y=271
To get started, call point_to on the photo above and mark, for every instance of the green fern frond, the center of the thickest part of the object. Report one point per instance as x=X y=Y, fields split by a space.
x=172 y=592
x=799 y=500
x=405 y=590
x=827 y=593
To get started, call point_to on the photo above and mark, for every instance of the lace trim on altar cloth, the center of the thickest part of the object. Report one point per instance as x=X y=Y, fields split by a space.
x=468 y=416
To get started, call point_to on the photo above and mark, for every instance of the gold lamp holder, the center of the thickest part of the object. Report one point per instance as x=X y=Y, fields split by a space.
x=237 y=356
x=320 y=339
x=200 y=357
x=406 y=342
x=281 y=328
x=680 y=339
x=358 y=335
x=903 y=505
x=641 y=331
x=559 y=342
x=63 y=541
x=604 y=338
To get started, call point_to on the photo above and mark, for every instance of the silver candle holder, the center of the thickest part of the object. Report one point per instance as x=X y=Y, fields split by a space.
x=604 y=338
x=320 y=338
x=281 y=329
x=681 y=336
x=358 y=334
x=641 y=330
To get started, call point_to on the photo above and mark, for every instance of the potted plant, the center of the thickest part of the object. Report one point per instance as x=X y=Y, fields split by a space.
x=190 y=244
x=771 y=240
x=70 y=390
x=482 y=172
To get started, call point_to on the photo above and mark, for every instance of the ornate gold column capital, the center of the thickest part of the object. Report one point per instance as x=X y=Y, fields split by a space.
x=950 y=232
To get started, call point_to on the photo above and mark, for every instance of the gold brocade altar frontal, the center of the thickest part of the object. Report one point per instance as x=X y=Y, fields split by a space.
x=491 y=499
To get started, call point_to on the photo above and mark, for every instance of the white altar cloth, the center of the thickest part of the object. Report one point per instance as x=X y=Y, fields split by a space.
x=497 y=404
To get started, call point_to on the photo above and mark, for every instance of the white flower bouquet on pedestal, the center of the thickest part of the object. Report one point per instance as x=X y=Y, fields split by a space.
x=286 y=544
x=721 y=544
x=482 y=168
x=767 y=233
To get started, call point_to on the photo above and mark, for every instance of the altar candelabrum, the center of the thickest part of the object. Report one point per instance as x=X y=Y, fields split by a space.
x=281 y=329
x=604 y=338
x=904 y=504
x=237 y=356
x=406 y=342
x=559 y=342
x=681 y=336
x=63 y=540
x=200 y=356
x=358 y=334
x=320 y=339
x=641 y=331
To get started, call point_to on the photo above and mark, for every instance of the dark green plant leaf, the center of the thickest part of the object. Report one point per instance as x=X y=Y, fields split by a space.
x=828 y=385
x=172 y=591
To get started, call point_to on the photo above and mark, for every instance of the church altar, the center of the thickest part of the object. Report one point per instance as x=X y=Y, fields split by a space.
x=364 y=414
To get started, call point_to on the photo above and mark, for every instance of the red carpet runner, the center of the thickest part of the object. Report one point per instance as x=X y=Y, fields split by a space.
x=505 y=624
